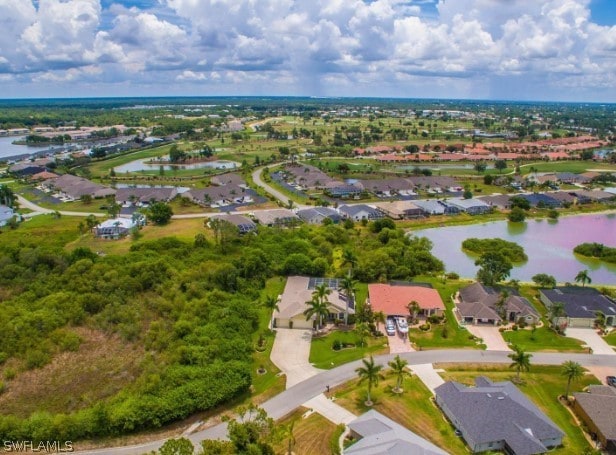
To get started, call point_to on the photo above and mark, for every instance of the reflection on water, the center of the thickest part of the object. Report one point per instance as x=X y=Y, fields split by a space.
x=548 y=245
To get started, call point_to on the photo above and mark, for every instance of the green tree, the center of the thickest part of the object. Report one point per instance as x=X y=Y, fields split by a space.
x=556 y=311
x=520 y=361
x=181 y=446
x=501 y=165
x=480 y=167
x=7 y=196
x=224 y=233
x=271 y=303
x=349 y=258
x=370 y=373
x=160 y=213
x=572 y=371
x=347 y=287
x=317 y=308
x=252 y=433
x=413 y=308
x=493 y=268
x=362 y=331
x=544 y=280
x=583 y=277
x=398 y=366
x=517 y=215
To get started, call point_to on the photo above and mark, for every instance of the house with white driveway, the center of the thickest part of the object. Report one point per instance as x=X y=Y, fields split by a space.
x=581 y=305
x=298 y=291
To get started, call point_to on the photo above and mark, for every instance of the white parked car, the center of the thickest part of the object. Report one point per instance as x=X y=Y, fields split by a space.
x=403 y=326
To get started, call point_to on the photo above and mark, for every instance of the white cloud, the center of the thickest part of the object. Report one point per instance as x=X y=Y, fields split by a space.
x=313 y=47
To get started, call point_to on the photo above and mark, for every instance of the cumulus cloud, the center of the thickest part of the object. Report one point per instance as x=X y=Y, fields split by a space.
x=377 y=47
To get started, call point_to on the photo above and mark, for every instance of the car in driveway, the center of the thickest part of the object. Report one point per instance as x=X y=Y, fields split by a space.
x=403 y=325
x=611 y=380
x=390 y=327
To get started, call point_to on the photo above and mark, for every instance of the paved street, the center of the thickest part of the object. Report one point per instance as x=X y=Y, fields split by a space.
x=285 y=402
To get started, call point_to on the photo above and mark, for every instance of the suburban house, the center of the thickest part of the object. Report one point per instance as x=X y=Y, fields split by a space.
x=581 y=305
x=360 y=212
x=471 y=206
x=228 y=179
x=219 y=196
x=298 y=291
x=597 y=409
x=243 y=223
x=595 y=195
x=500 y=201
x=540 y=200
x=115 y=228
x=306 y=176
x=497 y=416
x=342 y=190
x=379 y=435
x=479 y=304
x=316 y=215
x=388 y=187
x=143 y=196
x=393 y=299
x=399 y=210
x=430 y=207
x=6 y=213
x=276 y=217
x=71 y=187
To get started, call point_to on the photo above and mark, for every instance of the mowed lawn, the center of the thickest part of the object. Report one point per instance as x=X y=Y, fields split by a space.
x=413 y=409
x=542 y=385
x=322 y=354
x=542 y=339
x=314 y=435
x=611 y=338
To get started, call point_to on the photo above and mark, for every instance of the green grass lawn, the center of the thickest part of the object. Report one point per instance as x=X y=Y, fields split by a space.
x=313 y=435
x=413 y=409
x=42 y=229
x=611 y=338
x=542 y=385
x=269 y=384
x=448 y=335
x=322 y=355
x=543 y=339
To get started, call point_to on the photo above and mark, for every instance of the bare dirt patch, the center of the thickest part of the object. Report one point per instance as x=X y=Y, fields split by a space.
x=102 y=366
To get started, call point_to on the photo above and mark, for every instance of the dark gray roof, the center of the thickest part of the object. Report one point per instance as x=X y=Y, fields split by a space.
x=495 y=412
x=479 y=301
x=600 y=406
x=146 y=194
x=382 y=436
x=580 y=302
x=353 y=210
x=321 y=212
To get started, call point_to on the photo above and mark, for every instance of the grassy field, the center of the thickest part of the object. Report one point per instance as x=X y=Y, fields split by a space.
x=43 y=229
x=322 y=355
x=103 y=365
x=542 y=385
x=184 y=229
x=413 y=409
x=314 y=435
x=565 y=166
x=445 y=335
x=543 y=339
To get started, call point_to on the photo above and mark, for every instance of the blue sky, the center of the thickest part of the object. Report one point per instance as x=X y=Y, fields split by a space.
x=489 y=49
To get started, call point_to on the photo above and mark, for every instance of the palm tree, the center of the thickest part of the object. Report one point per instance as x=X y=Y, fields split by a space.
x=371 y=373
x=317 y=308
x=290 y=437
x=520 y=360
x=413 y=308
x=572 y=371
x=348 y=257
x=583 y=277
x=556 y=310
x=270 y=302
x=398 y=366
x=362 y=331
x=347 y=287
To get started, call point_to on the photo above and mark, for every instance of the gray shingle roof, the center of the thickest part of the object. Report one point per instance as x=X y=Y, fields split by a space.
x=382 y=436
x=580 y=302
x=600 y=406
x=479 y=301
x=496 y=412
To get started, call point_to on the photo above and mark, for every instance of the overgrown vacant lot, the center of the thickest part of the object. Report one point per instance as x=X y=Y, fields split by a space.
x=102 y=365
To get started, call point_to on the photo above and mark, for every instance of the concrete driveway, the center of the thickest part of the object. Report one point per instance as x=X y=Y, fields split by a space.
x=592 y=339
x=492 y=338
x=290 y=353
x=428 y=375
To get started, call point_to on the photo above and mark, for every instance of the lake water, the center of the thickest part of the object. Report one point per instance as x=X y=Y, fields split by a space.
x=143 y=165
x=548 y=245
x=7 y=148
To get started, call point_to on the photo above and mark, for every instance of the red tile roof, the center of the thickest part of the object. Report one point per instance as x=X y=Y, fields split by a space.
x=393 y=300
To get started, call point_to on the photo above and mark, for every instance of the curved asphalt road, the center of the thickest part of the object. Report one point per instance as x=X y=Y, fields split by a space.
x=287 y=401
